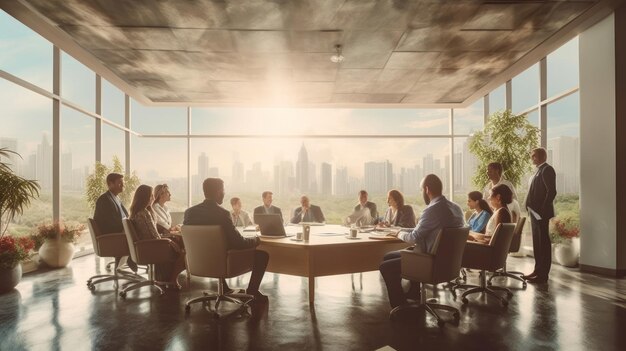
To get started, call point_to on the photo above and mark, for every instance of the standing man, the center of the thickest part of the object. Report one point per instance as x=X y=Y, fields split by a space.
x=209 y=212
x=440 y=213
x=539 y=204
x=110 y=211
x=267 y=207
x=307 y=212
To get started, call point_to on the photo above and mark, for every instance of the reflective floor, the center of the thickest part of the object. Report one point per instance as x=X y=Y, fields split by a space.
x=54 y=310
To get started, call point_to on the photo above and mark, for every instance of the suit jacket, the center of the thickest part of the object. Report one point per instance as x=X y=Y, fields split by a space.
x=209 y=212
x=372 y=207
x=405 y=217
x=315 y=211
x=108 y=215
x=273 y=210
x=542 y=192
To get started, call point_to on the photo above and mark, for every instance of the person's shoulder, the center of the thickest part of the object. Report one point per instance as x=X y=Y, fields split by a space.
x=104 y=197
x=258 y=209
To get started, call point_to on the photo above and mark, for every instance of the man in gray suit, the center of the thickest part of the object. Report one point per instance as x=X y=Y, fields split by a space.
x=307 y=212
x=539 y=203
x=267 y=207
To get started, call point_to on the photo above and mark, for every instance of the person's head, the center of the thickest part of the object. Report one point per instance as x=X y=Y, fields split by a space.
x=115 y=183
x=142 y=199
x=304 y=201
x=235 y=203
x=363 y=197
x=538 y=156
x=162 y=193
x=267 y=198
x=500 y=196
x=213 y=189
x=476 y=202
x=395 y=199
x=431 y=187
x=494 y=171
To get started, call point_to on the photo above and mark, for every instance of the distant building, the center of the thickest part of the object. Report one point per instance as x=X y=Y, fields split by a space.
x=326 y=175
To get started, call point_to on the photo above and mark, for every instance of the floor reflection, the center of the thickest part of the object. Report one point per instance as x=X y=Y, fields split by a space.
x=53 y=309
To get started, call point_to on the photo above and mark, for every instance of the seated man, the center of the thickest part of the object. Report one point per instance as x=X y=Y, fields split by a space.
x=209 y=212
x=240 y=217
x=440 y=213
x=110 y=211
x=307 y=212
x=365 y=212
x=267 y=207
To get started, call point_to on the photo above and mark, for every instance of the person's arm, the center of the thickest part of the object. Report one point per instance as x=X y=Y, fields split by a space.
x=320 y=215
x=407 y=217
x=145 y=225
x=427 y=224
x=235 y=240
x=297 y=215
x=549 y=180
x=480 y=223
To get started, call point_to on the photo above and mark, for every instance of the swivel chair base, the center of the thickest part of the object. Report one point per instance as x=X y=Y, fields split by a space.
x=117 y=275
x=428 y=307
x=240 y=299
x=509 y=274
x=484 y=289
x=145 y=282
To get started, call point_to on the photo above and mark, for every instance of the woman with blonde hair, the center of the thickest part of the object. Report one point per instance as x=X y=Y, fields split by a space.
x=161 y=211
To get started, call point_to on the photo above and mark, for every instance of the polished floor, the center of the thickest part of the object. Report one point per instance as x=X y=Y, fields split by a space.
x=54 y=310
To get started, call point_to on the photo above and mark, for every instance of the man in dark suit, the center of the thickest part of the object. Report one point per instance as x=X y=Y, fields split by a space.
x=110 y=211
x=539 y=204
x=267 y=207
x=365 y=204
x=307 y=212
x=209 y=212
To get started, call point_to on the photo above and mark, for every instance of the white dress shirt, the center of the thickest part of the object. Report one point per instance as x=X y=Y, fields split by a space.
x=162 y=214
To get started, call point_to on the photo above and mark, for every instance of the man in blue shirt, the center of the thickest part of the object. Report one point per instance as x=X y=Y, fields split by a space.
x=440 y=213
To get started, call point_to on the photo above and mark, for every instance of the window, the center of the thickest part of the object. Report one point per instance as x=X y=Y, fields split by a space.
x=564 y=143
x=25 y=54
x=525 y=89
x=469 y=120
x=563 y=68
x=113 y=107
x=26 y=120
x=497 y=99
x=78 y=84
x=319 y=121
x=78 y=158
x=113 y=144
x=158 y=120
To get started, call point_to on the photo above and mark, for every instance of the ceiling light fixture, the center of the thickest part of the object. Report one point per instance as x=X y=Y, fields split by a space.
x=337 y=57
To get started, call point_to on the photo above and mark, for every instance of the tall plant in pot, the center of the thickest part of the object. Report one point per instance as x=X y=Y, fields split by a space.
x=508 y=139
x=15 y=196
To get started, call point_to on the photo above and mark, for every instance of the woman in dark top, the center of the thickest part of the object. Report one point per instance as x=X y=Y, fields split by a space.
x=500 y=196
x=398 y=214
x=142 y=215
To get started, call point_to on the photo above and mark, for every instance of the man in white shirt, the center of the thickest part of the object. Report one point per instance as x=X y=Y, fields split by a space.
x=494 y=173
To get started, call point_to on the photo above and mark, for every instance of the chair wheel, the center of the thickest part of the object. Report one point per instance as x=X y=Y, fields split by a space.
x=123 y=294
x=89 y=282
x=465 y=300
x=489 y=283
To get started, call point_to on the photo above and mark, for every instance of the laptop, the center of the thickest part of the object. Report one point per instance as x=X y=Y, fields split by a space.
x=270 y=225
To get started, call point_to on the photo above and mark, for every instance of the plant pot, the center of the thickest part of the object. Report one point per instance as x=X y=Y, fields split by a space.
x=567 y=252
x=10 y=277
x=56 y=253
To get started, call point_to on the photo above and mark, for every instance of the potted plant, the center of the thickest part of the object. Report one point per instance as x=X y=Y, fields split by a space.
x=96 y=184
x=57 y=249
x=564 y=234
x=508 y=139
x=15 y=196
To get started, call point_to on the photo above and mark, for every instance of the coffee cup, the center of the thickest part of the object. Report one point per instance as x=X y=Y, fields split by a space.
x=299 y=236
x=353 y=232
x=306 y=229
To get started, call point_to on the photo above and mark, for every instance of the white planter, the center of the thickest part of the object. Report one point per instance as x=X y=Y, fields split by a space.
x=568 y=252
x=56 y=253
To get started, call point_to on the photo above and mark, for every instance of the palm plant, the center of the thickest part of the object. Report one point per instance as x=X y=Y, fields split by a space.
x=15 y=192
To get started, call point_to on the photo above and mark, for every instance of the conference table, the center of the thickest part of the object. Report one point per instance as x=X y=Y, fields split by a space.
x=328 y=252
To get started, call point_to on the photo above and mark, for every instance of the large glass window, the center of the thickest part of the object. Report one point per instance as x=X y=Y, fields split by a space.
x=465 y=165
x=113 y=144
x=78 y=158
x=497 y=99
x=158 y=120
x=24 y=53
x=159 y=161
x=469 y=120
x=525 y=89
x=26 y=120
x=320 y=168
x=113 y=107
x=78 y=84
x=319 y=121
x=564 y=143
x=563 y=68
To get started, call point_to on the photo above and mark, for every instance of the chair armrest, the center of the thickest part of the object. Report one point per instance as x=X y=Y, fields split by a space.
x=153 y=251
x=239 y=261
x=416 y=266
x=477 y=256
x=112 y=245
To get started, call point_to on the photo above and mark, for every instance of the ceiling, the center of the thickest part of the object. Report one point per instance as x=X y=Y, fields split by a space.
x=264 y=52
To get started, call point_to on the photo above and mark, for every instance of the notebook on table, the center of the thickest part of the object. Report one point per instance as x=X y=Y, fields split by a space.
x=270 y=225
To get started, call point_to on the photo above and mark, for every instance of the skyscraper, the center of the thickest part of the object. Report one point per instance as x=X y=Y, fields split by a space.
x=341 y=181
x=326 y=174
x=378 y=177
x=302 y=170
x=44 y=163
